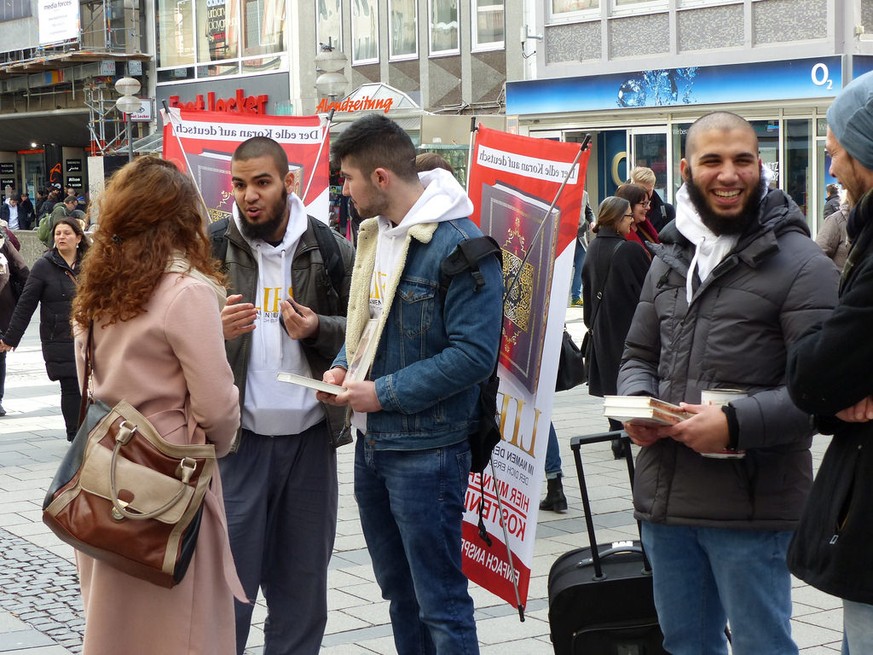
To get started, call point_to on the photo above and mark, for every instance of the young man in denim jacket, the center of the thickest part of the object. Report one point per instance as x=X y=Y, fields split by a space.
x=415 y=409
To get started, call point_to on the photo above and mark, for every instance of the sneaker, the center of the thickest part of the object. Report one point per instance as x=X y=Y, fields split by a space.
x=576 y=303
x=2 y=411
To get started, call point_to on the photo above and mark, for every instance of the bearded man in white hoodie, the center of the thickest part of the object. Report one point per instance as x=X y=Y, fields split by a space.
x=735 y=281
x=284 y=313
x=437 y=338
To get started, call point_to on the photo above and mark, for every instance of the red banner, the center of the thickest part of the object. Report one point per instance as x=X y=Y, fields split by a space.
x=514 y=183
x=203 y=142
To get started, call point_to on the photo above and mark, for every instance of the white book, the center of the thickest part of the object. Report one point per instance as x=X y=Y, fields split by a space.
x=302 y=380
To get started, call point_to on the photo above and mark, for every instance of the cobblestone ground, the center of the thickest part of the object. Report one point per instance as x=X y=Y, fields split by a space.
x=41 y=589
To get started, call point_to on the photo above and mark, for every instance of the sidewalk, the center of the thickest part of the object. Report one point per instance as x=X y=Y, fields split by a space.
x=40 y=610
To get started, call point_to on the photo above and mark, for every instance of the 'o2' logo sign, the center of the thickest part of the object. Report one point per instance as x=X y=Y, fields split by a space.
x=821 y=76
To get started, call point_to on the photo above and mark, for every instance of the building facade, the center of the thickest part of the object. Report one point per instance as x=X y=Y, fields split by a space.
x=635 y=73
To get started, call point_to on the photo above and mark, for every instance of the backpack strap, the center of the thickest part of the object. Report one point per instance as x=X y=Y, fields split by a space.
x=466 y=257
x=217 y=232
x=330 y=253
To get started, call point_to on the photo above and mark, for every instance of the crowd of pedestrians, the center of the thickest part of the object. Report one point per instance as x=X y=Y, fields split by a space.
x=723 y=291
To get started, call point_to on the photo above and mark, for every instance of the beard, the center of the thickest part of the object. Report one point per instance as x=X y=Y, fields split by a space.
x=717 y=223
x=266 y=230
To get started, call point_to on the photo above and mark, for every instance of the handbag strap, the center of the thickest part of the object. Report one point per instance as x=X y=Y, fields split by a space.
x=83 y=405
x=603 y=288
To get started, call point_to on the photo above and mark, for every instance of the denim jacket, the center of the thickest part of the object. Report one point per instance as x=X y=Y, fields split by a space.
x=434 y=346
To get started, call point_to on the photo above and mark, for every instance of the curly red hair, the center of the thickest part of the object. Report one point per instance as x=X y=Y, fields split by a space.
x=149 y=210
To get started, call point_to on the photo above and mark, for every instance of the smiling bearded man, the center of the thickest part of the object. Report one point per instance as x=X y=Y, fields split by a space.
x=735 y=280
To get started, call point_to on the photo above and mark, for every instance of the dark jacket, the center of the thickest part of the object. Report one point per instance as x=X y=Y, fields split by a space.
x=829 y=370
x=52 y=285
x=26 y=215
x=768 y=291
x=612 y=277
x=12 y=280
x=831 y=205
x=660 y=213
x=312 y=288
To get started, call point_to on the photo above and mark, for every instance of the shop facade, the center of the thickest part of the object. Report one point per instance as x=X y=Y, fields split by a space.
x=641 y=118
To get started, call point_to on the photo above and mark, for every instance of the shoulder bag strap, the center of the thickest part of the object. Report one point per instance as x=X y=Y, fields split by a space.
x=83 y=405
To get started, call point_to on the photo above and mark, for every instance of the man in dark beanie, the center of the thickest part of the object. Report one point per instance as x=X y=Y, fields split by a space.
x=829 y=376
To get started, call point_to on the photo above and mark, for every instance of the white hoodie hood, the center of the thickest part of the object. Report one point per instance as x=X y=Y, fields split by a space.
x=443 y=200
x=272 y=407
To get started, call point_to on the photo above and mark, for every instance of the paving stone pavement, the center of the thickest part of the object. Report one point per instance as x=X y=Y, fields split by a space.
x=40 y=609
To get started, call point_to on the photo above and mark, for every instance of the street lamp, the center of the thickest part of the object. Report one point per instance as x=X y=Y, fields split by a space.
x=330 y=62
x=128 y=104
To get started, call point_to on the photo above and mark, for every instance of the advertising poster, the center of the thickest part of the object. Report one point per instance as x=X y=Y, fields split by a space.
x=513 y=182
x=58 y=20
x=203 y=142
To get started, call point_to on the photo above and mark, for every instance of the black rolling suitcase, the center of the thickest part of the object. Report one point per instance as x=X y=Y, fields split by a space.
x=600 y=599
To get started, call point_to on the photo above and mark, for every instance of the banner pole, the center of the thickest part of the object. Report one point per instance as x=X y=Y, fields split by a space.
x=169 y=116
x=318 y=155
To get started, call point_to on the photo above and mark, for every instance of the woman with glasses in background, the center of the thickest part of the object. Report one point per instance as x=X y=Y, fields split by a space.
x=612 y=278
x=642 y=230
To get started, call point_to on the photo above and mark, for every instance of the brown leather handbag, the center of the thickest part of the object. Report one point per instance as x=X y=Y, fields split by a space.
x=126 y=496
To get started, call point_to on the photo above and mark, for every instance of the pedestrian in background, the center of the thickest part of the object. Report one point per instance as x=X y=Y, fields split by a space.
x=13 y=277
x=660 y=212
x=52 y=285
x=615 y=268
x=829 y=375
x=833 y=237
x=149 y=289
x=832 y=202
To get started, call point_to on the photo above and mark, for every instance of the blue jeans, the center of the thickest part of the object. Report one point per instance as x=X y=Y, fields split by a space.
x=553 y=455
x=857 y=628
x=411 y=504
x=578 y=261
x=705 y=577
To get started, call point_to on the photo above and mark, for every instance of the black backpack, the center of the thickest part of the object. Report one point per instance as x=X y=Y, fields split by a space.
x=486 y=436
x=327 y=246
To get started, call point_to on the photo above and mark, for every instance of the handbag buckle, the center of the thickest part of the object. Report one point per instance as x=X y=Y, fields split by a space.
x=117 y=515
x=186 y=468
x=125 y=433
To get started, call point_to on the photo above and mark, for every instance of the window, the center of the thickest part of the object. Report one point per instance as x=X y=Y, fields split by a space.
x=217 y=30
x=15 y=9
x=263 y=22
x=563 y=9
x=365 y=32
x=443 y=27
x=488 y=24
x=175 y=28
x=329 y=22
x=403 y=29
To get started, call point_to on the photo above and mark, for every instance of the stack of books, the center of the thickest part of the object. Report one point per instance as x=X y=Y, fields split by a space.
x=642 y=410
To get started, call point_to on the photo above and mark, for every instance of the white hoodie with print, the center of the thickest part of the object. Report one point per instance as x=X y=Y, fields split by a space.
x=271 y=407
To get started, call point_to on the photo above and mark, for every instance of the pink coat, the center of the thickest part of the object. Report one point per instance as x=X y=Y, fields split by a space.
x=169 y=363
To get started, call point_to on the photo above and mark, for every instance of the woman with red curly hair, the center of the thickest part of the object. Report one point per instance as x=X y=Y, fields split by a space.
x=150 y=289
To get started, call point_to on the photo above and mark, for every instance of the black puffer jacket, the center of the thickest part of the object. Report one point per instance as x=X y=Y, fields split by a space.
x=51 y=283
x=612 y=277
x=830 y=370
x=762 y=297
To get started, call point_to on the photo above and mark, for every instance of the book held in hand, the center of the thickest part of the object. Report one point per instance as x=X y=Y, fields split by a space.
x=643 y=410
x=312 y=383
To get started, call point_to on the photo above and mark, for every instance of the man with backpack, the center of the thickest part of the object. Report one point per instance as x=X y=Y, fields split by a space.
x=416 y=409
x=288 y=276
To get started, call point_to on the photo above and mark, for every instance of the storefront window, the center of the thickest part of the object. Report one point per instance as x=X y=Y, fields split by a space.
x=798 y=168
x=329 y=23
x=569 y=6
x=217 y=30
x=263 y=22
x=365 y=31
x=488 y=24
x=403 y=26
x=175 y=28
x=443 y=27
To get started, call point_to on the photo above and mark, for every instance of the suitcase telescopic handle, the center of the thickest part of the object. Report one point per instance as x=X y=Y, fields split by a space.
x=576 y=446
